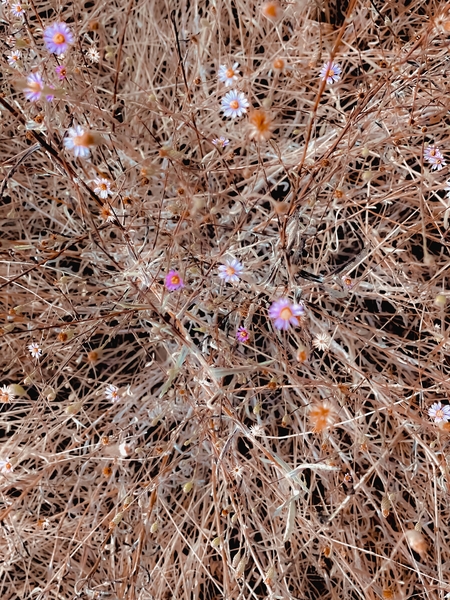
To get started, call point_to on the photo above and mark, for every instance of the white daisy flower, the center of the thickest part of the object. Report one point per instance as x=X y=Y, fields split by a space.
x=78 y=141
x=6 y=466
x=234 y=104
x=231 y=271
x=93 y=54
x=227 y=75
x=35 y=350
x=439 y=413
x=102 y=187
x=112 y=393
x=14 y=57
x=237 y=471
x=6 y=395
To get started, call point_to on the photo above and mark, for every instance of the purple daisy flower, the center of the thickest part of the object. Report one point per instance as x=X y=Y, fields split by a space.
x=231 y=271
x=242 y=335
x=173 y=281
x=439 y=413
x=57 y=38
x=284 y=313
x=331 y=71
x=35 y=86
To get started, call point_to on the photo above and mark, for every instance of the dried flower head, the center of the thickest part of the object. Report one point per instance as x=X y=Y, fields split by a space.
x=272 y=10
x=6 y=466
x=260 y=125
x=331 y=72
x=106 y=213
x=322 y=341
x=231 y=271
x=417 y=541
x=228 y=75
x=302 y=353
x=322 y=415
x=284 y=313
x=58 y=37
x=173 y=281
x=93 y=54
x=279 y=64
x=234 y=104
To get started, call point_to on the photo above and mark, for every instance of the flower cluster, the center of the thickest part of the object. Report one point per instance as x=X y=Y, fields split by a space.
x=434 y=156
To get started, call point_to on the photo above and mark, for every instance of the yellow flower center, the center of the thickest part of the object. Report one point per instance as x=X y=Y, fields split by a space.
x=174 y=280
x=229 y=73
x=34 y=86
x=103 y=187
x=234 y=104
x=58 y=38
x=440 y=414
x=230 y=271
x=286 y=313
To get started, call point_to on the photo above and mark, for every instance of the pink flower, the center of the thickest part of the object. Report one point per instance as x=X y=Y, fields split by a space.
x=242 y=335
x=173 y=281
x=57 y=38
x=439 y=413
x=61 y=71
x=284 y=313
x=35 y=86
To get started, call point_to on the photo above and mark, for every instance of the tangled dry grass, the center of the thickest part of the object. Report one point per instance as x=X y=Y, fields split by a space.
x=302 y=464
